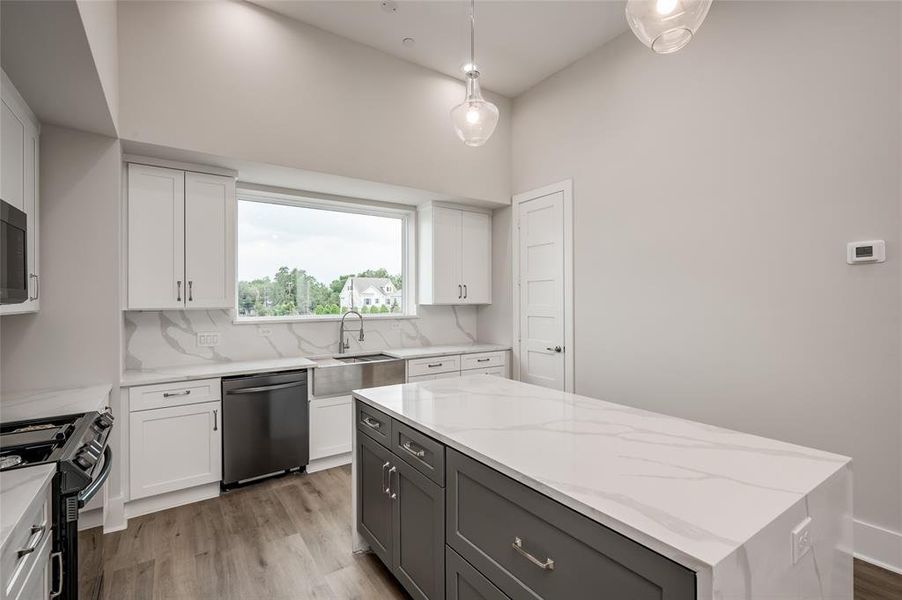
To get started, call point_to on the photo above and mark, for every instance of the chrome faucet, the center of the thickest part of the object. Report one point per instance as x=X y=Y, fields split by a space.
x=343 y=343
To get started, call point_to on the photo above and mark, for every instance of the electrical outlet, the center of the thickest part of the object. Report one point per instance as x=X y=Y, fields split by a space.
x=208 y=339
x=264 y=331
x=801 y=540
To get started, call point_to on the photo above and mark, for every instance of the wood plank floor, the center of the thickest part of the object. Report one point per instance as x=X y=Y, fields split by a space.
x=287 y=538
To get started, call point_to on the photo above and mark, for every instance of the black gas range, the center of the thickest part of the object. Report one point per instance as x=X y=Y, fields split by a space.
x=78 y=445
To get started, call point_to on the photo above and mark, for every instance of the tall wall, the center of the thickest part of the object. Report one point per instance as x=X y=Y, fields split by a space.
x=232 y=79
x=714 y=193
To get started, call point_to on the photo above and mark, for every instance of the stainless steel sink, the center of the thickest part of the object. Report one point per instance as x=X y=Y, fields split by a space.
x=341 y=374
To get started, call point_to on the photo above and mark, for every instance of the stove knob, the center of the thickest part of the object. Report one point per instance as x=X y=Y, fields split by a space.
x=104 y=421
x=83 y=461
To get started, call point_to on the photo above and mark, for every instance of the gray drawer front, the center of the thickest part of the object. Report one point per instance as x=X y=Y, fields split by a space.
x=419 y=451
x=372 y=422
x=463 y=582
x=488 y=512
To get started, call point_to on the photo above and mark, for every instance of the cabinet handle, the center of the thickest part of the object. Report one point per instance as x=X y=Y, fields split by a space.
x=483 y=359
x=385 y=488
x=465 y=290
x=418 y=452
x=37 y=530
x=433 y=365
x=460 y=291
x=215 y=420
x=190 y=290
x=371 y=423
x=58 y=557
x=37 y=286
x=392 y=495
x=178 y=297
x=182 y=393
x=546 y=565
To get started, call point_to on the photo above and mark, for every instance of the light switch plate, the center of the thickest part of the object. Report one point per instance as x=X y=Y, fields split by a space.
x=801 y=540
x=207 y=339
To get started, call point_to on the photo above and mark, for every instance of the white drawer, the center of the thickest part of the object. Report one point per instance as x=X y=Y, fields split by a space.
x=499 y=371
x=482 y=360
x=162 y=395
x=31 y=533
x=431 y=366
x=416 y=378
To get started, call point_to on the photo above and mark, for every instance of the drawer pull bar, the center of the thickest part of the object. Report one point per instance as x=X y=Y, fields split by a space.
x=418 y=452
x=517 y=545
x=37 y=530
x=483 y=359
x=171 y=394
x=58 y=558
x=433 y=365
x=386 y=488
x=392 y=495
x=371 y=423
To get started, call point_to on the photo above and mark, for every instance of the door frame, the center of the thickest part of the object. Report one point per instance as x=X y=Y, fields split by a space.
x=566 y=187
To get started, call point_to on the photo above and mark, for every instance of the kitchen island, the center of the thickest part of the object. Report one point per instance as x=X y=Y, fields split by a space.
x=566 y=482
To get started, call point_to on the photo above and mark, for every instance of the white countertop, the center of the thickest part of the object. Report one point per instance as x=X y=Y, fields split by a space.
x=690 y=491
x=430 y=351
x=38 y=404
x=18 y=489
x=223 y=369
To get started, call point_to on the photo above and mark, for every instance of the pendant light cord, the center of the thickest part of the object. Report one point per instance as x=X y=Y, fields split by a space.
x=473 y=35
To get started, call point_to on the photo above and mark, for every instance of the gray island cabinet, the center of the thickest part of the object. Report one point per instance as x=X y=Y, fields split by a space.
x=481 y=487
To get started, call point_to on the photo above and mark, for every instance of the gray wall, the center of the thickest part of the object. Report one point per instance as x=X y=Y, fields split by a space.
x=74 y=340
x=714 y=193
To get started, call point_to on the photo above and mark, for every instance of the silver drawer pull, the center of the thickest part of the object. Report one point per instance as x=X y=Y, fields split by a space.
x=171 y=394
x=393 y=495
x=432 y=365
x=517 y=545
x=38 y=531
x=386 y=488
x=483 y=359
x=418 y=452
x=371 y=423
x=58 y=558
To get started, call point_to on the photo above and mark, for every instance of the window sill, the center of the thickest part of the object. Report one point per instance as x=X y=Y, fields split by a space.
x=317 y=319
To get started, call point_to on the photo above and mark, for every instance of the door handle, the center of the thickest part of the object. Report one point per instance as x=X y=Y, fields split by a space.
x=190 y=290
x=465 y=290
x=554 y=349
x=386 y=488
x=266 y=388
x=392 y=495
x=460 y=291
x=58 y=557
x=215 y=420
x=178 y=295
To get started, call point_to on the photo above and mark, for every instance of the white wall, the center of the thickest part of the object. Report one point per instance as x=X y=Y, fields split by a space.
x=714 y=193
x=233 y=79
x=101 y=23
x=74 y=339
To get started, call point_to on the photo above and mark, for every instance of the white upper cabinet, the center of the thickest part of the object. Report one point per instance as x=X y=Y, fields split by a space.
x=19 y=171
x=180 y=232
x=455 y=258
x=209 y=252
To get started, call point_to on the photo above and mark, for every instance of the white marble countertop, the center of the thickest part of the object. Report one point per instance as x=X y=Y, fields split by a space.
x=221 y=369
x=18 y=489
x=18 y=406
x=693 y=492
x=430 y=351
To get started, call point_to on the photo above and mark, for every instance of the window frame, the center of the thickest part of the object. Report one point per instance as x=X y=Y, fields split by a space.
x=406 y=214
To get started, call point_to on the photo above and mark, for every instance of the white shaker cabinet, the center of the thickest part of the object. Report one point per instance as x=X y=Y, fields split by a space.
x=19 y=172
x=180 y=239
x=455 y=255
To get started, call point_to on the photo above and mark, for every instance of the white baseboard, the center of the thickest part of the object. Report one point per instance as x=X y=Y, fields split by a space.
x=321 y=464
x=145 y=506
x=879 y=546
x=89 y=519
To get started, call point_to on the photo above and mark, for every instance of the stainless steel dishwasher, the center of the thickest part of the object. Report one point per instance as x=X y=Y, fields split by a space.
x=265 y=425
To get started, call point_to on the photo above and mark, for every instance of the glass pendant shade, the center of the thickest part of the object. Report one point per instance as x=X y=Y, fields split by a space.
x=666 y=26
x=475 y=118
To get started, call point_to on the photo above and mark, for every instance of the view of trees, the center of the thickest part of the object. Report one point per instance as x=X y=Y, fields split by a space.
x=295 y=292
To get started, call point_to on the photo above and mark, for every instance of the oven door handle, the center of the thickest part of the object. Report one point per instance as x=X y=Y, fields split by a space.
x=86 y=494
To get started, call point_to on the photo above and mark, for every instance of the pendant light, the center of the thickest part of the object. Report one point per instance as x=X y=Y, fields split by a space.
x=666 y=26
x=475 y=118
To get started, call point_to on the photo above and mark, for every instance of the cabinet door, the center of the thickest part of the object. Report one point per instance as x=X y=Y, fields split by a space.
x=463 y=582
x=209 y=247
x=156 y=238
x=330 y=426
x=174 y=448
x=374 y=505
x=446 y=236
x=418 y=519
x=476 y=257
x=12 y=156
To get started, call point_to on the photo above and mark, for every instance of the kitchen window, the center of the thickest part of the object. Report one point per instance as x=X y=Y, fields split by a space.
x=303 y=258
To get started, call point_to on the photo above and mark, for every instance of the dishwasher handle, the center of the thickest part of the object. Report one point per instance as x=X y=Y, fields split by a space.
x=267 y=388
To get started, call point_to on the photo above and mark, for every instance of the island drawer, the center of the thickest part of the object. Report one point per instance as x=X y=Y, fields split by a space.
x=530 y=546
x=419 y=451
x=373 y=423
x=21 y=549
x=481 y=360
x=431 y=366
x=463 y=582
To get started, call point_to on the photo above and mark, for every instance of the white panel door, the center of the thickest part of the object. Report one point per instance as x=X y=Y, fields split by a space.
x=12 y=157
x=174 y=448
x=541 y=261
x=330 y=426
x=446 y=241
x=476 y=257
x=156 y=238
x=209 y=247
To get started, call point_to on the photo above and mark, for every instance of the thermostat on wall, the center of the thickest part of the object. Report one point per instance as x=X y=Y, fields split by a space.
x=866 y=252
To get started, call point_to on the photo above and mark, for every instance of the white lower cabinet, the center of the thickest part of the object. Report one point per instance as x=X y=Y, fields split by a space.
x=330 y=426
x=415 y=378
x=460 y=365
x=174 y=448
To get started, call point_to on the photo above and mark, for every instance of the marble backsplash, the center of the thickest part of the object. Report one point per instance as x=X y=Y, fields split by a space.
x=155 y=339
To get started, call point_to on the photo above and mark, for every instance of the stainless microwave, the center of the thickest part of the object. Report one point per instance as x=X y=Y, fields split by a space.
x=14 y=258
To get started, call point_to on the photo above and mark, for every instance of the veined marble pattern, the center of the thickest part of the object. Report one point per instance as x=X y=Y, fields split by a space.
x=707 y=497
x=156 y=339
x=38 y=404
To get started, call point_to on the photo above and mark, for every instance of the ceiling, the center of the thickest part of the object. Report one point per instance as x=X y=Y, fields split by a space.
x=519 y=42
